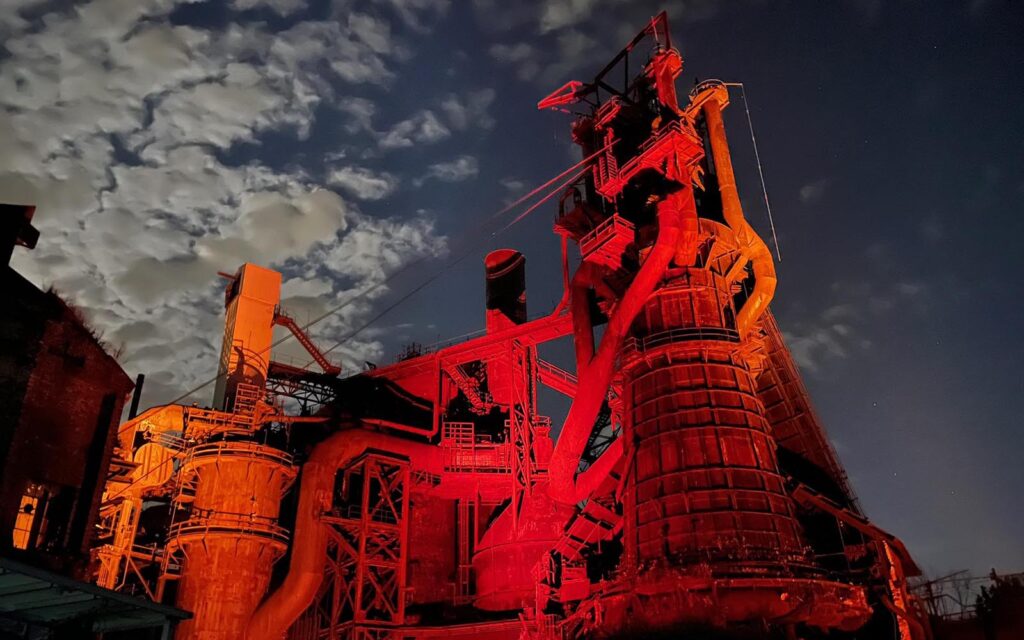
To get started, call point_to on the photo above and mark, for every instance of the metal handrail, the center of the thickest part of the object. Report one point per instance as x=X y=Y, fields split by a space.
x=606 y=228
x=230 y=449
x=355 y=512
x=204 y=522
x=687 y=334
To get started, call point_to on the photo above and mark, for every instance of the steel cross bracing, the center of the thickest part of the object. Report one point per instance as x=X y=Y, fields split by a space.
x=310 y=389
x=370 y=531
x=521 y=421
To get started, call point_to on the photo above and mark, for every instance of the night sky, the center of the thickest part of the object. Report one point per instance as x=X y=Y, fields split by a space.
x=339 y=142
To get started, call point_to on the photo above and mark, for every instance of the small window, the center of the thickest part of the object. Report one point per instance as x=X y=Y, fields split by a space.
x=29 y=524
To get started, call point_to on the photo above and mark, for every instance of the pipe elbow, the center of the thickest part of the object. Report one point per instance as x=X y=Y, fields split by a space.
x=765 y=282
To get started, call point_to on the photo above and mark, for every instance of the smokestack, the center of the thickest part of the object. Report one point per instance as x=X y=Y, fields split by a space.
x=506 y=289
x=16 y=229
x=506 y=307
x=136 y=396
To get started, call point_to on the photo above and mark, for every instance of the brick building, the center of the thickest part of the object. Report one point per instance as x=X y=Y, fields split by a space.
x=61 y=398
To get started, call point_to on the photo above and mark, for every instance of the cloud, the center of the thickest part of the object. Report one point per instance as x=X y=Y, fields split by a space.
x=418 y=14
x=556 y=14
x=469 y=110
x=222 y=112
x=570 y=35
x=458 y=112
x=502 y=16
x=360 y=112
x=121 y=127
x=363 y=183
x=424 y=127
x=457 y=170
x=814 y=191
x=512 y=184
x=572 y=52
x=526 y=58
x=838 y=329
x=512 y=53
x=283 y=8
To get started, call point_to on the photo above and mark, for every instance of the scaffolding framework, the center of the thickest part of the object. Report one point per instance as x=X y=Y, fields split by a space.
x=369 y=531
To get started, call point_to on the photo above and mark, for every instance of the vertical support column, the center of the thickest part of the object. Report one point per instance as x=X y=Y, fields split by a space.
x=521 y=414
x=466 y=526
x=113 y=557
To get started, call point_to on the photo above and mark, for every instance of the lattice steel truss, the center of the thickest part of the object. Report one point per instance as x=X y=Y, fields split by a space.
x=521 y=423
x=364 y=595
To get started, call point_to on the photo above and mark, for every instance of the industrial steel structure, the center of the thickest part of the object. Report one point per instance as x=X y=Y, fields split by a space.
x=690 y=484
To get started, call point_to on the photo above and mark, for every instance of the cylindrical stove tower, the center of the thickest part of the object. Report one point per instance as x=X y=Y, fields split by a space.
x=231 y=538
x=705 y=482
x=710 y=534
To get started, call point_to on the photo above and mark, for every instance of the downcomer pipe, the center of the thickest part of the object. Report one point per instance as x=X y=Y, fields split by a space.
x=752 y=247
x=677 y=233
x=309 y=542
x=587 y=276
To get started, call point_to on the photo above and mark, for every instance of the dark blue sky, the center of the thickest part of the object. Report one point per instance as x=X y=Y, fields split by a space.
x=165 y=140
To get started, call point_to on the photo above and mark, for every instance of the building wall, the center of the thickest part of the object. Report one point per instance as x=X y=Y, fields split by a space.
x=61 y=400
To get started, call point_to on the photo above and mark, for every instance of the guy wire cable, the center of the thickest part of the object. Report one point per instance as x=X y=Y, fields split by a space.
x=470 y=251
x=760 y=171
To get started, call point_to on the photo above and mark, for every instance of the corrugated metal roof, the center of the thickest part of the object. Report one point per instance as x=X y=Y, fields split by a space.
x=39 y=597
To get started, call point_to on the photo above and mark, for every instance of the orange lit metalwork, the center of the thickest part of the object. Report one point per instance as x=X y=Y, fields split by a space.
x=689 y=484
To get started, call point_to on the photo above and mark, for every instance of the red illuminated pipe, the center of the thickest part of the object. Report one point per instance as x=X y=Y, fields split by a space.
x=587 y=276
x=752 y=246
x=590 y=480
x=677 y=226
x=919 y=631
x=309 y=543
x=664 y=69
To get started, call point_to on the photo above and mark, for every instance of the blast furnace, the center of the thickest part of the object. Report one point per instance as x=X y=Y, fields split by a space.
x=690 y=485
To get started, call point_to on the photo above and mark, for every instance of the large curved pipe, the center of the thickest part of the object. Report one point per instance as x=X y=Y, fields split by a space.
x=309 y=542
x=677 y=224
x=587 y=276
x=752 y=247
x=663 y=70
x=589 y=481
x=582 y=325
